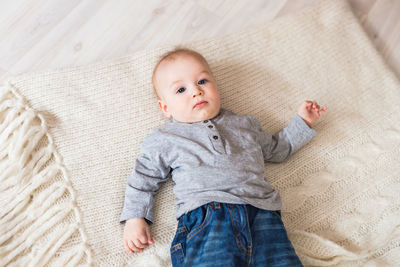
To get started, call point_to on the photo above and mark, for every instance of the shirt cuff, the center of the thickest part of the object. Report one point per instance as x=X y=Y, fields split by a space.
x=136 y=213
x=299 y=133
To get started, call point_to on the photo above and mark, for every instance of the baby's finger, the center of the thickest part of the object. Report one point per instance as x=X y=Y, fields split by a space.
x=307 y=105
x=144 y=240
x=314 y=104
x=139 y=244
x=151 y=241
x=127 y=248
x=134 y=247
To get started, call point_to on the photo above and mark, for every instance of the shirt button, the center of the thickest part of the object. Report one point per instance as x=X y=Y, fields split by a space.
x=205 y=121
x=215 y=137
x=210 y=126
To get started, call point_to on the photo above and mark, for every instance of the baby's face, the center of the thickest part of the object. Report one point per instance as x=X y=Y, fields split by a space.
x=187 y=89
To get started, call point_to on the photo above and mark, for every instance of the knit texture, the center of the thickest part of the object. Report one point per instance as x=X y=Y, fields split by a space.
x=69 y=138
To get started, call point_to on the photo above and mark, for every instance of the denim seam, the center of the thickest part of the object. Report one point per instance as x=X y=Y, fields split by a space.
x=182 y=221
x=178 y=249
x=239 y=244
x=249 y=247
x=181 y=229
x=197 y=230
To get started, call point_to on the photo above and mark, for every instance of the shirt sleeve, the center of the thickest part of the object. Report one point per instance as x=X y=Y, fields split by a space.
x=279 y=147
x=151 y=169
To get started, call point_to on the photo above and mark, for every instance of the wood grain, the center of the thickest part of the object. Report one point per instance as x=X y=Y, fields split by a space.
x=40 y=34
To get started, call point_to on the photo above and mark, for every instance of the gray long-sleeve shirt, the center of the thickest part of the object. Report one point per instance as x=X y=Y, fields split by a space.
x=221 y=159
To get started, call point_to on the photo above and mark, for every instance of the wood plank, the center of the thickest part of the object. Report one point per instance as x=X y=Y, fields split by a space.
x=40 y=34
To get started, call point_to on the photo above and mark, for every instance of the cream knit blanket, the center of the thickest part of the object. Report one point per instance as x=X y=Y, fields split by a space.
x=69 y=138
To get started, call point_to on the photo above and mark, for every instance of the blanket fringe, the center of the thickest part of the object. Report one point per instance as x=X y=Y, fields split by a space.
x=40 y=223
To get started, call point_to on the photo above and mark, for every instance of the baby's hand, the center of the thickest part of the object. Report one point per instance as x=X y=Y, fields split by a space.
x=137 y=235
x=310 y=111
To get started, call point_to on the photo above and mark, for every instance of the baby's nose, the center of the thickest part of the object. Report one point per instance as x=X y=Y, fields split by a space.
x=197 y=91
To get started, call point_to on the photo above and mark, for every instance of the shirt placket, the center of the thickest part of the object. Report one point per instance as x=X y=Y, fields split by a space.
x=214 y=136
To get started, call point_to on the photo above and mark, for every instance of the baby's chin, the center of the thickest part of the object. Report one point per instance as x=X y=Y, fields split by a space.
x=198 y=116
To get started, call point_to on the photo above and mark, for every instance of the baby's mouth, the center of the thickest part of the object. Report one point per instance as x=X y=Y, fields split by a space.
x=200 y=104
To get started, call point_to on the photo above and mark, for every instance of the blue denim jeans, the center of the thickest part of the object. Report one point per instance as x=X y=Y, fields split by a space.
x=220 y=234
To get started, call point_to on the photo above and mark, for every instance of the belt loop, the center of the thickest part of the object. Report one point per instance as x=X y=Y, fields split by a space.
x=214 y=205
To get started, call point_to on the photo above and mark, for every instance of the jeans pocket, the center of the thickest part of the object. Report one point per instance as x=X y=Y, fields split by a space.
x=197 y=220
x=178 y=246
x=177 y=255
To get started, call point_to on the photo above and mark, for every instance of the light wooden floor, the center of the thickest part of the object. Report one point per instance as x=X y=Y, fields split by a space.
x=46 y=34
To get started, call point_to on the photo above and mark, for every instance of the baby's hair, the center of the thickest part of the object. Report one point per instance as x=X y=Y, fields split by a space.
x=172 y=55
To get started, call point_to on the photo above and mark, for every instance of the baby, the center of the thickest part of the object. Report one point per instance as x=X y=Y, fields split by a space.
x=228 y=214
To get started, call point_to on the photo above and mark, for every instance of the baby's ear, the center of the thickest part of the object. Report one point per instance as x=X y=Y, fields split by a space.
x=164 y=109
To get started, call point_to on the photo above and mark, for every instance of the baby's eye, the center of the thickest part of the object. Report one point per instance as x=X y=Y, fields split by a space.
x=202 y=81
x=181 y=90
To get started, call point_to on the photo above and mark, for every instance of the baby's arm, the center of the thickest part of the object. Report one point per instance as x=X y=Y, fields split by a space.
x=151 y=169
x=137 y=235
x=279 y=147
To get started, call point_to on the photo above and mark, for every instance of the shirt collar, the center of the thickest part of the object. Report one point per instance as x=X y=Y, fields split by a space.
x=215 y=119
